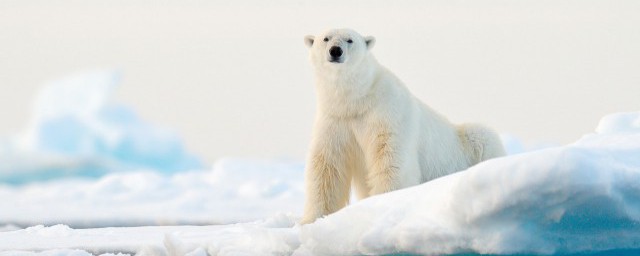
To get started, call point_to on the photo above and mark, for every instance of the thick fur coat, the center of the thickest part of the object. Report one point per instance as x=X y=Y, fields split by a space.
x=371 y=133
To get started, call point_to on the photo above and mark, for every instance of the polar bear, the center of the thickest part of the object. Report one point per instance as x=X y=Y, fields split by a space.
x=370 y=132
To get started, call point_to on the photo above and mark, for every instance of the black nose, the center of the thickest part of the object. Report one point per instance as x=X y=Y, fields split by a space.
x=335 y=51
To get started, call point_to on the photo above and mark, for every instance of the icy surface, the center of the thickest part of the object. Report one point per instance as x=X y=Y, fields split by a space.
x=552 y=201
x=78 y=130
x=273 y=235
x=57 y=252
x=579 y=198
x=234 y=190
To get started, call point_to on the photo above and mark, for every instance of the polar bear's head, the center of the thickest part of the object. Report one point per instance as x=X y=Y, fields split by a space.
x=338 y=48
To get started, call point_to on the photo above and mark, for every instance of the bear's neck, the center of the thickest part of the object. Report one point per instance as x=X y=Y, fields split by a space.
x=347 y=92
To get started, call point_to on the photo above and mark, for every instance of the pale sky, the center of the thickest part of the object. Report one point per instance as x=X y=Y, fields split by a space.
x=232 y=77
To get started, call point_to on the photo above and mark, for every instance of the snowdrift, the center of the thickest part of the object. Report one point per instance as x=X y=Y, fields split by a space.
x=583 y=197
x=78 y=130
x=577 y=199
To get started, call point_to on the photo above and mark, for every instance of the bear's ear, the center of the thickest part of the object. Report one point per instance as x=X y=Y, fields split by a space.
x=370 y=41
x=308 y=40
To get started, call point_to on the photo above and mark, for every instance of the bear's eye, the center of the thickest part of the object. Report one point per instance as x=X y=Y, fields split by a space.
x=349 y=41
x=326 y=39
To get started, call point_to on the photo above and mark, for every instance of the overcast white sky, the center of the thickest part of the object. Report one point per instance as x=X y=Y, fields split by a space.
x=232 y=77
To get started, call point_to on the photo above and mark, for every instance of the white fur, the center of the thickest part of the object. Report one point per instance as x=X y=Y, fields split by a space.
x=371 y=132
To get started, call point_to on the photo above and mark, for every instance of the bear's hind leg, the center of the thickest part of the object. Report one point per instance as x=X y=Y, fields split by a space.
x=480 y=143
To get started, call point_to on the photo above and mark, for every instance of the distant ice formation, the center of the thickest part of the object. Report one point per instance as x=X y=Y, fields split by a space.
x=78 y=130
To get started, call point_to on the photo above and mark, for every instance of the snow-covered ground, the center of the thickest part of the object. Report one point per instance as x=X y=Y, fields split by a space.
x=276 y=235
x=234 y=190
x=579 y=198
x=574 y=199
x=87 y=161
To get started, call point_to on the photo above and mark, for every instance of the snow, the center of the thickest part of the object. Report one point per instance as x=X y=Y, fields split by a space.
x=275 y=234
x=580 y=198
x=57 y=252
x=562 y=200
x=234 y=190
x=9 y=227
x=88 y=161
x=583 y=197
x=620 y=123
x=78 y=130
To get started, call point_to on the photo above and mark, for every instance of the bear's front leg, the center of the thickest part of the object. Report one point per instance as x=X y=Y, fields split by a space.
x=384 y=163
x=326 y=176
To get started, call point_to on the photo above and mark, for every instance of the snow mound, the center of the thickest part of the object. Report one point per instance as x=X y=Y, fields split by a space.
x=77 y=130
x=583 y=197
